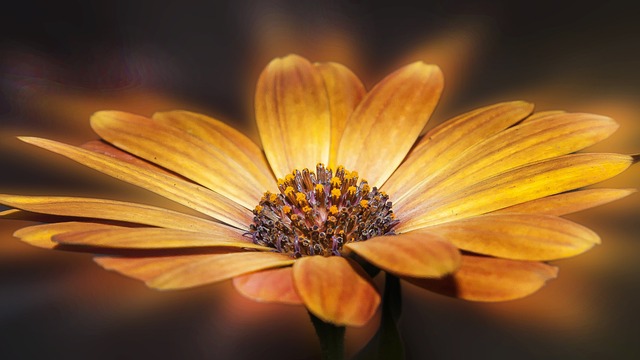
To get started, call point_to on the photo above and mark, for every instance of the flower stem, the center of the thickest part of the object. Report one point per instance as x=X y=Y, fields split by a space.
x=331 y=338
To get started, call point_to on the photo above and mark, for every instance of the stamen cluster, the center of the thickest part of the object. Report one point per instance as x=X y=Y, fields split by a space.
x=317 y=213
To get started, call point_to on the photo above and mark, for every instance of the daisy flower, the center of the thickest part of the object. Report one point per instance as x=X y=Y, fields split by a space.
x=344 y=181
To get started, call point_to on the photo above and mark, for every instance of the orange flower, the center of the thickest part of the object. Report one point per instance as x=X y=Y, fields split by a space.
x=294 y=221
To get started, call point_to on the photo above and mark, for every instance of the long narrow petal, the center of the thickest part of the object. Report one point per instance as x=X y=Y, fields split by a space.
x=104 y=148
x=490 y=279
x=218 y=165
x=185 y=271
x=345 y=92
x=436 y=149
x=335 y=289
x=155 y=238
x=292 y=113
x=517 y=186
x=568 y=203
x=420 y=255
x=231 y=142
x=112 y=210
x=518 y=236
x=522 y=144
x=383 y=128
x=274 y=285
x=41 y=235
x=543 y=114
x=170 y=187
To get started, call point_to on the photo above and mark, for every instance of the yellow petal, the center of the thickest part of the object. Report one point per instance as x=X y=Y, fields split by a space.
x=101 y=147
x=335 y=289
x=568 y=203
x=522 y=144
x=436 y=149
x=411 y=254
x=518 y=236
x=40 y=235
x=345 y=92
x=214 y=165
x=542 y=114
x=490 y=279
x=171 y=187
x=292 y=113
x=185 y=271
x=517 y=186
x=155 y=238
x=274 y=285
x=386 y=123
x=111 y=210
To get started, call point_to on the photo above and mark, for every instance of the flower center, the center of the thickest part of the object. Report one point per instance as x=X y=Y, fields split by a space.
x=317 y=213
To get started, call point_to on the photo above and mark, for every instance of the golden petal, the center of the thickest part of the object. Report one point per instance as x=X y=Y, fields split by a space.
x=386 y=123
x=293 y=115
x=40 y=235
x=513 y=187
x=185 y=271
x=518 y=236
x=438 y=147
x=111 y=210
x=156 y=238
x=273 y=285
x=335 y=289
x=542 y=114
x=519 y=145
x=345 y=92
x=170 y=187
x=412 y=254
x=568 y=203
x=101 y=147
x=490 y=279
x=214 y=165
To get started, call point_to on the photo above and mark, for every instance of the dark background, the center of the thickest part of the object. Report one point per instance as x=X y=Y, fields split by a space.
x=61 y=61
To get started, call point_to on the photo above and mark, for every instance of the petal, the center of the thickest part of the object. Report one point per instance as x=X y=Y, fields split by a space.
x=439 y=146
x=568 y=203
x=519 y=145
x=490 y=279
x=111 y=210
x=218 y=166
x=542 y=114
x=40 y=235
x=155 y=238
x=383 y=128
x=292 y=113
x=335 y=289
x=518 y=236
x=517 y=186
x=412 y=254
x=101 y=147
x=274 y=285
x=345 y=92
x=170 y=187
x=184 y=271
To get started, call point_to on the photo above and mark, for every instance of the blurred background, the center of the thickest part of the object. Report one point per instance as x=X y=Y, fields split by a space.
x=61 y=61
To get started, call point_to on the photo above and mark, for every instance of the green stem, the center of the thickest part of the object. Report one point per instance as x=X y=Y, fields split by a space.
x=331 y=338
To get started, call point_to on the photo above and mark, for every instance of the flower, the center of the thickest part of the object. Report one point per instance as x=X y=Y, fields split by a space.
x=470 y=209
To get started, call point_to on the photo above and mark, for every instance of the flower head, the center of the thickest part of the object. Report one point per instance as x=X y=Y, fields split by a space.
x=469 y=209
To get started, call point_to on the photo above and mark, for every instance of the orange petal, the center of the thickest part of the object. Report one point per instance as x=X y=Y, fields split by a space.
x=345 y=92
x=542 y=114
x=101 y=147
x=155 y=238
x=518 y=236
x=292 y=113
x=490 y=279
x=111 y=210
x=517 y=186
x=387 y=122
x=41 y=235
x=436 y=149
x=568 y=203
x=184 y=271
x=411 y=254
x=171 y=187
x=335 y=289
x=219 y=165
x=274 y=285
